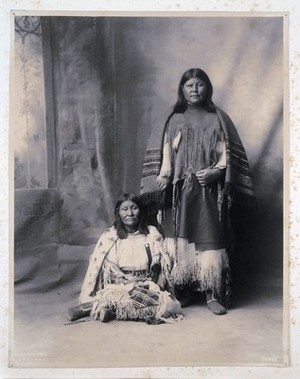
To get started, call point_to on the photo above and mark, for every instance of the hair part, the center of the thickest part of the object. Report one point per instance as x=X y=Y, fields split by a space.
x=118 y=224
x=182 y=104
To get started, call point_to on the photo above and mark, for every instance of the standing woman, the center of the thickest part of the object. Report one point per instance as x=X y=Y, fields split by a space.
x=198 y=165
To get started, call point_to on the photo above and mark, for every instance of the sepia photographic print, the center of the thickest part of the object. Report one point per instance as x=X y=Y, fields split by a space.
x=94 y=97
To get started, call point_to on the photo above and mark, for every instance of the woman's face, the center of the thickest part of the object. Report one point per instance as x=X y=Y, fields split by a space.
x=195 y=91
x=130 y=214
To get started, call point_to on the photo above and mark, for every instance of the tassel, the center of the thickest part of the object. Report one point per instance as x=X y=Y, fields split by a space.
x=220 y=200
x=241 y=199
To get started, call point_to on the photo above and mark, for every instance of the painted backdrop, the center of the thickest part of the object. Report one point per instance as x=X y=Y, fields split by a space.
x=104 y=82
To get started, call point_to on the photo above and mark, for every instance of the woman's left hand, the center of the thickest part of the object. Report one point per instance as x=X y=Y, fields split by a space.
x=207 y=176
x=162 y=182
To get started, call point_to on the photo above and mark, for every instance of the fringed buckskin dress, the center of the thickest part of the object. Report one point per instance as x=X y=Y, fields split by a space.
x=194 y=141
x=118 y=277
x=196 y=226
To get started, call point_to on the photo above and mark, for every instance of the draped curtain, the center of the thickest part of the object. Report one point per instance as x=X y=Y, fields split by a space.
x=114 y=78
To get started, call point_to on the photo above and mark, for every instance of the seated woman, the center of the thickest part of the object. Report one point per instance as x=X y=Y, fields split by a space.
x=124 y=278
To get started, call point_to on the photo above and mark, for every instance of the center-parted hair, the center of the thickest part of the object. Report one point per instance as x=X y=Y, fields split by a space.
x=118 y=224
x=181 y=104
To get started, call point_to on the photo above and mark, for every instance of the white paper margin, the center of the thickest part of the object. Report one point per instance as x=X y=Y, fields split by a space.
x=292 y=181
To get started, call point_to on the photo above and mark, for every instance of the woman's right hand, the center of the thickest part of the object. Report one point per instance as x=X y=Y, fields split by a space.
x=207 y=176
x=162 y=182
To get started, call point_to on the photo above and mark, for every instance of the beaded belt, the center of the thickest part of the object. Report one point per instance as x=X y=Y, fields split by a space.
x=136 y=273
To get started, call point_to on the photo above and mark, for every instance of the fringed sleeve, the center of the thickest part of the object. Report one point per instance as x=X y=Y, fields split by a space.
x=112 y=274
x=155 y=240
x=159 y=252
x=92 y=280
x=238 y=183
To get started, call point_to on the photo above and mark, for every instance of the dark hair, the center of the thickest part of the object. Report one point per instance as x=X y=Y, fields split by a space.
x=118 y=224
x=181 y=104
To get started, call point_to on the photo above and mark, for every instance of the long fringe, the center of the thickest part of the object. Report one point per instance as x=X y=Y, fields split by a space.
x=117 y=299
x=130 y=313
x=191 y=275
x=220 y=199
x=241 y=199
x=188 y=275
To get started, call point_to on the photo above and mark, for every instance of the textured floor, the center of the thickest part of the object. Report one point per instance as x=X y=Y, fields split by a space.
x=250 y=334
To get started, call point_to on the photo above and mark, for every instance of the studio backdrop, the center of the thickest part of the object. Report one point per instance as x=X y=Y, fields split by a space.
x=87 y=92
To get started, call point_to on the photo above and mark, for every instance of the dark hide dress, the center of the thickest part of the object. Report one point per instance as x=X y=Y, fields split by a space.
x=198 y=217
